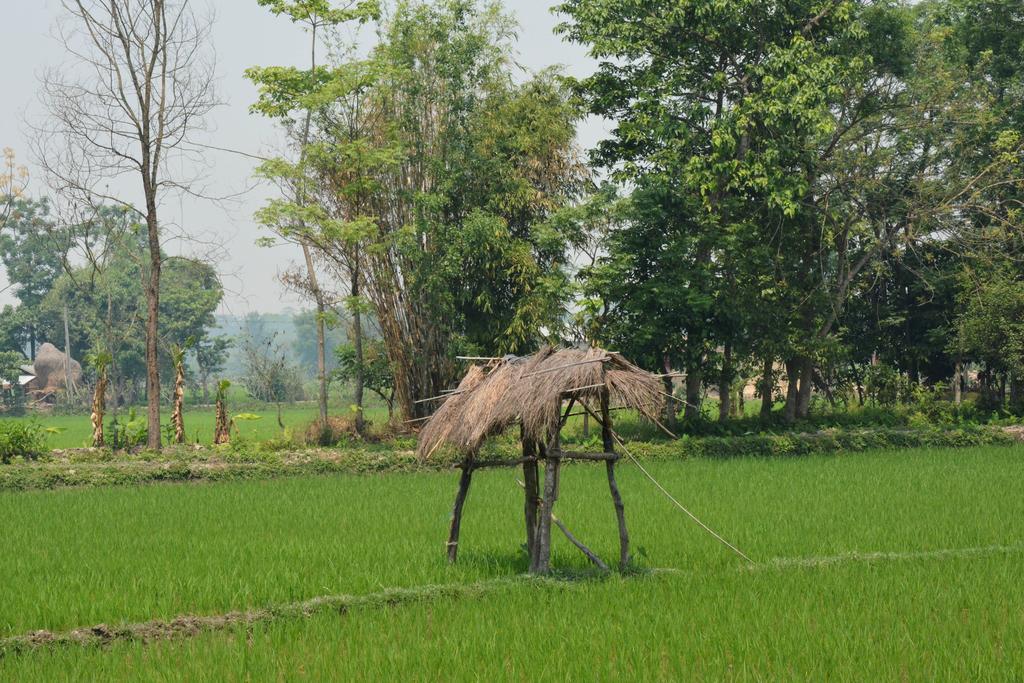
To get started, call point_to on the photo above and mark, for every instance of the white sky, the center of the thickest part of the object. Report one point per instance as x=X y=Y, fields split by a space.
x=244 y=35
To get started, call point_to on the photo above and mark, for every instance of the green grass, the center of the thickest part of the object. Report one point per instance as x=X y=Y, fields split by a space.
x=75 y=431
x=113 y=555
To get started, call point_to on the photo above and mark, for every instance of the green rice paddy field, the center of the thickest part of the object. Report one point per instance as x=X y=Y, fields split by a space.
x=75 y=431
x=942 y=600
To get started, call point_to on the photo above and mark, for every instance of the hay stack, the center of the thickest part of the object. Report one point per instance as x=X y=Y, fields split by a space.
x=51 y=369
x=529 y=391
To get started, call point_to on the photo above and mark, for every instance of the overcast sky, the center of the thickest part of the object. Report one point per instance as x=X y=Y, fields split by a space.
x=244 y=35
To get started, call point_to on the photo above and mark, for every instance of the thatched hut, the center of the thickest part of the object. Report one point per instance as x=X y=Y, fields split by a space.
x=537 y=394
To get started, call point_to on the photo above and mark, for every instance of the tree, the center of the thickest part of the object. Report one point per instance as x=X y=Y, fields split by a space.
x=100 y=362
x=222 y=424
x=32 y=261
x=372 y=367
x=11 y=396
x=316 y=16
x=991 y=331
x=178 y=353
x=140 y=87
x=798 y=155
x=475 y=190
x=211 y=355
x=269 y=376
x=107 y=304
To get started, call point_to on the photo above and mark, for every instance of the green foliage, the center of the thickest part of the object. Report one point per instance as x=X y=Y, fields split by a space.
x=407 y=205
x=377 y=373
x=130 y=433
x=222 y=390
x=21 y=439
x=12 y=394
x=991 y=327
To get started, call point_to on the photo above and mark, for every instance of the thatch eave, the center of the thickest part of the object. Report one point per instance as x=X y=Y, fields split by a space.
x=528 y=391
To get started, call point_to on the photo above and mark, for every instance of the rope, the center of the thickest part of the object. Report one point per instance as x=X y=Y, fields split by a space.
x=679 y=505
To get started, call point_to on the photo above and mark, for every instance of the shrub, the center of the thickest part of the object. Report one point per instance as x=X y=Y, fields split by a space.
x=21 y=439
x=129 y=434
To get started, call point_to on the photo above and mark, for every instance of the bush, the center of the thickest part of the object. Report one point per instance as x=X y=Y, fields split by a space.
x=21 y=439
x=829 y=441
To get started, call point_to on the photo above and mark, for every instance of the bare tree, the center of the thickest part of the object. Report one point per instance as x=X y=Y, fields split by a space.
x=141 y=82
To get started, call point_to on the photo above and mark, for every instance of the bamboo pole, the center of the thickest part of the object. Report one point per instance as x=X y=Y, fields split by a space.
x=567 y=365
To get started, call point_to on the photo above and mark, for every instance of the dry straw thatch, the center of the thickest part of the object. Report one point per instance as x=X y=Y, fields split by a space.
x=529 y=391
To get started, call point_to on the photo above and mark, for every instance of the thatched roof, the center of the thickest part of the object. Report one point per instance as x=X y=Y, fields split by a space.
x=529 y=391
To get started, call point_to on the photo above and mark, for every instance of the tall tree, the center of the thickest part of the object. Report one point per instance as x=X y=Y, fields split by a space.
x=141 y=84
x=467 y=253
x=434 y=163
x=316 y=16
x=30 y=260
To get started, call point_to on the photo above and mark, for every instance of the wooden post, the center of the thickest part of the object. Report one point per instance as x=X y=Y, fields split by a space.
x=460 y=501
x=532 y=497
x=552 y=465
x=620 y=510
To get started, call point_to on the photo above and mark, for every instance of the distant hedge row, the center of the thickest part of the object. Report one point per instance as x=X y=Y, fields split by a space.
x=102 y=468
x=822 y=442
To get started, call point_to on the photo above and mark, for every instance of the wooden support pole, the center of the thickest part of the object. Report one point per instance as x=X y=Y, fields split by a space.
x=460 y=501
x=576 y=542
x=620 y=509
x=531 y=487
x=542 y=563
x=573 y=455
x=590 y=554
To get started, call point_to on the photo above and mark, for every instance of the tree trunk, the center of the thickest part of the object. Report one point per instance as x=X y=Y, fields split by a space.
x=725 y=385
x=357 y=343
x=958 y=381
x=739 y=409
x=222 y=426
x=693 y=385
x=178 y=415
x=153 y=321
x=99 y=405
x=321 y=335
x=803 y=403
x=792 y=381
x=767 y=387
x=67 y=353
x=1016 y=398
